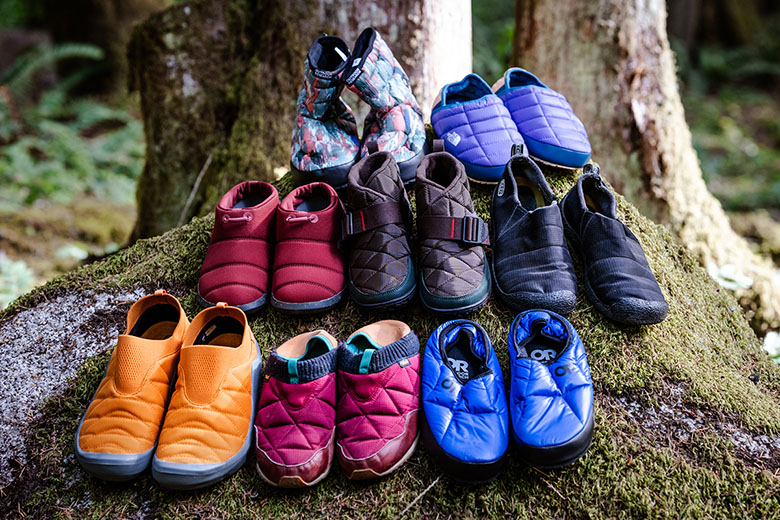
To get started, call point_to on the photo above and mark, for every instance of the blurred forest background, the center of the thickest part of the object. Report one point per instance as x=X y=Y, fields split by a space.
x=71 y=139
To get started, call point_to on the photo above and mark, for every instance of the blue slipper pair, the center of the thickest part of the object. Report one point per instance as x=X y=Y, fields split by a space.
x=466 y=415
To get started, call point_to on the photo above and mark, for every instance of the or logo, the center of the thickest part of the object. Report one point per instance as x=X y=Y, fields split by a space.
x=501 y=188
x=562 y=370
x=453 y=138
x=460 y=367
x=543 y=355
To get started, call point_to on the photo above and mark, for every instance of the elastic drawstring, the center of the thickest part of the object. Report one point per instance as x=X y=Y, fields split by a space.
x=246 y=217
x=310 y=217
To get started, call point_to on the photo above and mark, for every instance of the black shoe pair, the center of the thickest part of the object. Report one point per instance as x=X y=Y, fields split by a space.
x=532 y=266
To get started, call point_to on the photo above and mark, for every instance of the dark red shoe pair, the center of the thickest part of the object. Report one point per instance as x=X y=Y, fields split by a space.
x=297 y=240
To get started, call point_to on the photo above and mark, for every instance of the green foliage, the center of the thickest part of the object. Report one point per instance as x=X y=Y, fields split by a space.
x=19 y=13
x=493 y=26
x=15 y=279
x=58 y=147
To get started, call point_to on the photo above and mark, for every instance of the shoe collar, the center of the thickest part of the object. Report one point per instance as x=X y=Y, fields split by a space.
x=516 y=77
x=521 y=165
x=529 y=325
x=471 y=88
x=590 y=184
x=328 y=56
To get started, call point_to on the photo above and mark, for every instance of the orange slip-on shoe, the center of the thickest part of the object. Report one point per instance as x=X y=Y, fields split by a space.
x=118 y=433
x=208 y=426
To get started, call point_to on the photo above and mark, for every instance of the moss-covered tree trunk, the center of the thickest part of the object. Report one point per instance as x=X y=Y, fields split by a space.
x=218 y=81
x=612 y=60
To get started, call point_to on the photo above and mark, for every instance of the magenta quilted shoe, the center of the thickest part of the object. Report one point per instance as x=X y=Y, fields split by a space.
x=378 y=399
x=295 y=427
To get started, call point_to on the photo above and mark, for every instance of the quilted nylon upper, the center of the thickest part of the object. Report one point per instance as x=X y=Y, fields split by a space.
x=464 y=416
x=237 y=266
x=373 y=408
x=325 y=133
x=544 y=115
x=551 y=404
x=479 y=131
x=616 y=266
x=294 y=421
x=450 y=268
x=530 y=255
x=395 y=121
x=378 y=258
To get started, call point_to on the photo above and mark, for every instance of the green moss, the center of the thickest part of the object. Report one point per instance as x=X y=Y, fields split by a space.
x=704 y=353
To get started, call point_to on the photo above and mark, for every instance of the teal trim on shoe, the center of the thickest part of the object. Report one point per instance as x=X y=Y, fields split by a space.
x=465 y=304
x=555 y=154
x=392 y=298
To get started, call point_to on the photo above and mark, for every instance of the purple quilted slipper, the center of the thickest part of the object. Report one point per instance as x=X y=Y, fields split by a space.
x=295 y=427
x=551 y=131
x=324 y=140
x=378 y=399
x=476 y=127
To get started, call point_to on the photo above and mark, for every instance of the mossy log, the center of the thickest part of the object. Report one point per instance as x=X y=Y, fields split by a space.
x=613 y=61
x=218 y=81
x=687 y=411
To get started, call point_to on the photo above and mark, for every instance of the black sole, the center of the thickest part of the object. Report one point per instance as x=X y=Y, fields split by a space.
x=561 y=455
x=458 y=470
x=388 y=305
x=248 y=308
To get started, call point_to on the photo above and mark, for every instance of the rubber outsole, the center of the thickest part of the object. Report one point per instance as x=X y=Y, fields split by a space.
x=248 y=308
x=560 y=455
x=387 y=305
x=368 y=474
x=295 y=481
x=629 y=311
x=308 y=307
x=459 y=470
x=181 y=476
x=458 y=311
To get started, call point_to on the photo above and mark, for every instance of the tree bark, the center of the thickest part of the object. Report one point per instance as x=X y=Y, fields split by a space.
x=218 y=81
x=612 y=60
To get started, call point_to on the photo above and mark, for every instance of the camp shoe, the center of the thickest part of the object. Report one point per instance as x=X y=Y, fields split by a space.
x=237 y=267
x=394 y=124
x=550 y=129
x=309 y=264
x=208 y=426
x=324 y=141
x=551 y=391
x=378 y=399
x=532 y=267
x=618 y=279
x=454 y=276
x=475 y=126
x=465 y=425
x=379 y=218
x=295 y=428
x=118 y=433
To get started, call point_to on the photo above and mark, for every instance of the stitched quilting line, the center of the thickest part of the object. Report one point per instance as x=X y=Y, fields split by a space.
x=306 y=282
x=230 y=264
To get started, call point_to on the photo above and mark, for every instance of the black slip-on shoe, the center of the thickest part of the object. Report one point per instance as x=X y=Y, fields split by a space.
x=618 y=279
x=532 y=267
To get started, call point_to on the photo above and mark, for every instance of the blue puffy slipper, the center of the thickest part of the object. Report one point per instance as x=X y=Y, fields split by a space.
x=551 y=392
x=465 y=423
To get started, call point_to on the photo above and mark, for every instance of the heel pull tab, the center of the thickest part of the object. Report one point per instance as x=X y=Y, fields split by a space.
x=591 y=168
x=519 y=149
x=372 y=147
x=438 y=145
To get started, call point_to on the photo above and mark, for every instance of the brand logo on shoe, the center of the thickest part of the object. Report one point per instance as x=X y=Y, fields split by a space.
x=404 y=363
x=563 y=370
x=501 y=188
x=543 y=355
x=352 y=77
x=460 y=367
x=453 y=138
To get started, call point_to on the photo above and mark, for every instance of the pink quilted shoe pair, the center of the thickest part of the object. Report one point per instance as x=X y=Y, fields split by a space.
x=358 y=401
x=296 y=240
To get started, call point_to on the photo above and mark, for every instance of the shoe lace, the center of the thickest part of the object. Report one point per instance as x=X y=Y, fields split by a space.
x=300 y=218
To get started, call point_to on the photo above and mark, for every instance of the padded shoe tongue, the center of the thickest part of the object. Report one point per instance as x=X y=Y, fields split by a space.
x=135 y=357
x=541 y=337
x=376 y=179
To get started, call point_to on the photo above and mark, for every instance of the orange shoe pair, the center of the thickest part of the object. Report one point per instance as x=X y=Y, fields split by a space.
x=200 y=435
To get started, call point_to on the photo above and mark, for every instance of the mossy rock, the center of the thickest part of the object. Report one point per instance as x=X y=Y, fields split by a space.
x=687 y=411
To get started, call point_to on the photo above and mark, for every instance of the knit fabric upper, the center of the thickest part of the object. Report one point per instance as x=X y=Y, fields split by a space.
x=237 y=266
x=465 y=415
x=325 y=133
x=542 y=115
x=379 y=258
x=450 y=268
x=551 y=391
x=613 y=259
x=474 y=124
x=308 y=264
x=530 y=255
x=395 y=121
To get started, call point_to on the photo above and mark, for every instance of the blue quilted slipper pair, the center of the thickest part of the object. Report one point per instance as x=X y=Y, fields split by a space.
x=479 y=124
x=466 y=415
x=325 y=142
